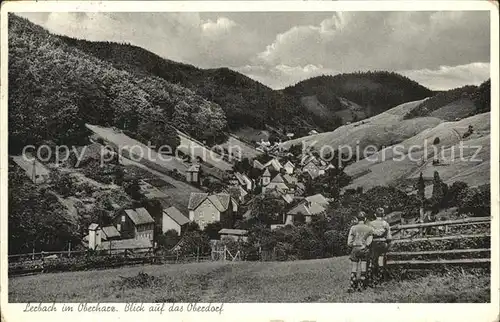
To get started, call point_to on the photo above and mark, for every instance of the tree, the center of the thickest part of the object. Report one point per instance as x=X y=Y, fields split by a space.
x=476 y=202
x=133 y=189
x=456 y=193
x=267 y=208
x=439 y=190
x=421 y=188
x=212 y=229
x=193 y=242
x=36 y=218
x=169 y=239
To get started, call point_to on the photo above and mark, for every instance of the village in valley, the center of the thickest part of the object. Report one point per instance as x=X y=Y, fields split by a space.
x=136 y=178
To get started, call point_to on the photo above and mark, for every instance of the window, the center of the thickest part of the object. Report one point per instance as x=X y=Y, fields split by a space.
x=123 y=218
x=119 y=227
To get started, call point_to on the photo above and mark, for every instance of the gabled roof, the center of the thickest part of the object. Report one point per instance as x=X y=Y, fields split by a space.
x=237 y=192
x=318 y=198
x=289 y=164
x=278 y=179
x=274 y=163
x=93 y=226
x=290 y=179
x=307 y=210
x=258 y=165
x=227 y=231
x=139 y=216
x=300 y=185
x=266 y=173
x=224 y=199
x=195 y=199
x=240 y=178
x=176 y=215
x=220 y=200
x=287 y=198
x=110 y=232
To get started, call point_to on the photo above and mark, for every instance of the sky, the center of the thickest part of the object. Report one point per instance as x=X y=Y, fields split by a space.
x=440 y=50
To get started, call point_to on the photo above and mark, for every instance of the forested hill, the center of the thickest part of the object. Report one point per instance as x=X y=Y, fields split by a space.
x=376 y=91
x=246 y=102
x=54 y=89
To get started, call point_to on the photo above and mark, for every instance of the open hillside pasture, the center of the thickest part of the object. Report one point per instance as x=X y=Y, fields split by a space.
x=320 y=280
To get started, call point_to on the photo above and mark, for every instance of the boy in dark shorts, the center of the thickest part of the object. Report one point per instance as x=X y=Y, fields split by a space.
x=360 y=238
x=381 y=239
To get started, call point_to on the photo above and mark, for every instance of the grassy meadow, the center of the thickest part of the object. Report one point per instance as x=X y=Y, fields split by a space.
x=322 y=280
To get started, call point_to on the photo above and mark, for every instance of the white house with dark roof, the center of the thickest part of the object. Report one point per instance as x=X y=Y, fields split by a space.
x=205 y=208
x=135 y=223
x=172 y=218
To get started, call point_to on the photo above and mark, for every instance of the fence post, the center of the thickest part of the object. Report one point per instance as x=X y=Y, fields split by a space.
x=225 y=250
x=33 y=254
x=69 y=250
x=198 y=254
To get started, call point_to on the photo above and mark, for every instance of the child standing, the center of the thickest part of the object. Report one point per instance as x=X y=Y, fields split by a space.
x=360 y=238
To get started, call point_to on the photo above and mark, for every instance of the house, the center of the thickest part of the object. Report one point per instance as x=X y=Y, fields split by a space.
x=238 y=193
x=266 y=177
x=277 y=183
x=235 y=234
x=300 y=188
x=242 y=180
x=312 y=132
x=313 y=168
x=319 y=199
x=204 y=208
x=305 y=208
x=98 y=240
x=273 y=165
x=289 y=167
x=290 y=180
x=290 y=135
x=135 y=223
x=193 y=174
x=172 y=218
x=258 y=165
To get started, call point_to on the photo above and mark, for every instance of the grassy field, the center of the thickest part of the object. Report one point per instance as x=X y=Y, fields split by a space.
x=323 y=280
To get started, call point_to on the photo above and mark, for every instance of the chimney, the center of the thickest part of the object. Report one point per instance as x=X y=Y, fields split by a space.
x=94 y=236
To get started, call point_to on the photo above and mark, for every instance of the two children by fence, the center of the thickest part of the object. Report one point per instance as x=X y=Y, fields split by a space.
x=369 y=239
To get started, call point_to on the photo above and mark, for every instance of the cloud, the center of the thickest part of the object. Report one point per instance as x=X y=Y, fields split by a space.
x=446 y=77
x=281 y=76
x=184 y=37
x=439 y=49
x=350 y=41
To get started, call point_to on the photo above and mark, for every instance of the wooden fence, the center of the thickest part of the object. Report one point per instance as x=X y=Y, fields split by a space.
x=39 y=262
x=436 y=232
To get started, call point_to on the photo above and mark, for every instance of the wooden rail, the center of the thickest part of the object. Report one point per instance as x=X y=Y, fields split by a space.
x=407 y=240
x=440 y=252
x=428 y=261
x=468 y=221
x=441 y=261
